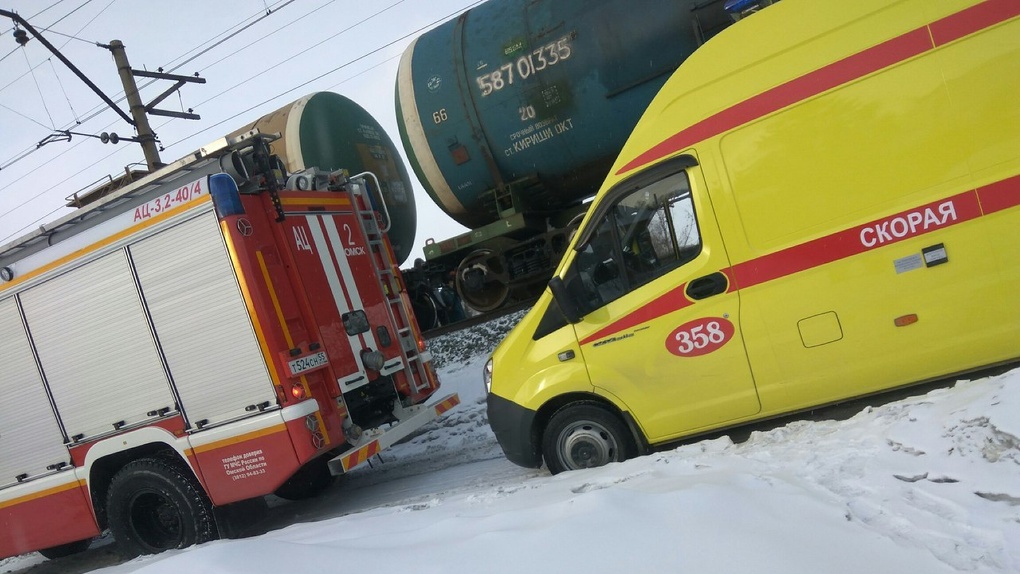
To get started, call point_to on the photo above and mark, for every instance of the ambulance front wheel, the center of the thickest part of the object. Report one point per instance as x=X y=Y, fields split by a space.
x=585 y=435
x=156 y=504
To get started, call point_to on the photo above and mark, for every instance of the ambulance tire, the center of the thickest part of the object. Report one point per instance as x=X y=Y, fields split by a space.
x=156 y=504
x=585 y=435
x=66 y=549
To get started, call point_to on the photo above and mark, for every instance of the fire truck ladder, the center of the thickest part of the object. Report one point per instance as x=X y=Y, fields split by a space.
x=386 y=270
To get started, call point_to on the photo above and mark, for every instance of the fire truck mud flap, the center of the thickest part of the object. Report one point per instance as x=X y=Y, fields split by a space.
x=373 y=444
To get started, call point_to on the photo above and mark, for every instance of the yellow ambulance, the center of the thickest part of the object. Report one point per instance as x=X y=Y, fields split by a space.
x=823 y=202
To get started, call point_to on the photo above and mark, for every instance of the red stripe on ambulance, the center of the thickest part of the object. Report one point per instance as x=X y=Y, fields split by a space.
x=892 y=229
x=853 y=67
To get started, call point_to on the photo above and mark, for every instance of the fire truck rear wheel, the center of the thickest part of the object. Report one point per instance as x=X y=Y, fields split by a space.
x=307 y=482
x=585 y=435
x=66 y=549
x=155 y=504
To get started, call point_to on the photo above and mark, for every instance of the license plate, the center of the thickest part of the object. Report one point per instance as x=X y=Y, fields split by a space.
x=309 y=363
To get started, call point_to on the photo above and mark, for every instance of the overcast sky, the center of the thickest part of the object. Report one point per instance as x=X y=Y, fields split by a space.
x=300 y=47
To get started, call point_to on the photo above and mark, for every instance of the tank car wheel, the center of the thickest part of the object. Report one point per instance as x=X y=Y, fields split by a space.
x=154 y=505
x=482 y=280
x=585 y=435
x=425 y=311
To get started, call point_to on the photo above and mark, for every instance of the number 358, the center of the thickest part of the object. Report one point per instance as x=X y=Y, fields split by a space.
x=699 y=337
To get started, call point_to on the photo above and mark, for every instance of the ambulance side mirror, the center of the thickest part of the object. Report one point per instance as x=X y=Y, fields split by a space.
x=566 y=302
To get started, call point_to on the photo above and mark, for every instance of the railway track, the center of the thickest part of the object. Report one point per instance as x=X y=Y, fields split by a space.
x=478 y=319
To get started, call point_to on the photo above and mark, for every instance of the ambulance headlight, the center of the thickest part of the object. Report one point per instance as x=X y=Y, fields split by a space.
x=372 y=360
x=487 y=376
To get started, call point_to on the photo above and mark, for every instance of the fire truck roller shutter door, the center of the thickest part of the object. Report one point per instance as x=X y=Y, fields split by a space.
x=97 y=347
x=29 y=436
x=201 y=321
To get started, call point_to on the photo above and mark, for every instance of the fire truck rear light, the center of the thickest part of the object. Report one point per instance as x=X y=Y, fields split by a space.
x=298 y=392
x=225 y=195
x=421 y=344
x=383 y=334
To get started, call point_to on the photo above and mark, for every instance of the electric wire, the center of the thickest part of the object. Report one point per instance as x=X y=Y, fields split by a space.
x=100 y=109
x=36 y=15
x=42 y=98
x=63 y=91
x=263 y=38
x=8 y=55
x=16 y=112
x=95 y=111
x=285 y=92
x=11 y=83
x=256 y=21
x=29 y=151
x=71 y=37
x=302 y=51
x=172 y=63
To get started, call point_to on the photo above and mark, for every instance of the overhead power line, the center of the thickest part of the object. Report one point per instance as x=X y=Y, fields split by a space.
x=41 y=12
x=95 y=111
x=249 y=109
x=235 y=33
x=302 y=51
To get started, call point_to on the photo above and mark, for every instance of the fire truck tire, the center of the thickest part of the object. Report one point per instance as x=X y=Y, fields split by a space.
x=585 y=435
x=66 y=549
x=154 y=504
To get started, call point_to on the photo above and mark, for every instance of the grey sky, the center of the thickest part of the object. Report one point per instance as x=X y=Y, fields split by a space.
x=299 y=48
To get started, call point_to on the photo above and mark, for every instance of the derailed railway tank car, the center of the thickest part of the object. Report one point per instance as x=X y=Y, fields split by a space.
x=512 y=114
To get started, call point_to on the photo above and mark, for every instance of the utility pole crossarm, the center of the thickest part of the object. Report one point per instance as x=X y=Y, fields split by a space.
x=180 y=81
x=162 y=76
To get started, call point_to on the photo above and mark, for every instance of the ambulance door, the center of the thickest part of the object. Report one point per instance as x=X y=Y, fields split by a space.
x=660 y=330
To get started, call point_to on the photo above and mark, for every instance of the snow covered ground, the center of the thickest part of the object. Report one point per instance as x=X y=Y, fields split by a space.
x=927 y=484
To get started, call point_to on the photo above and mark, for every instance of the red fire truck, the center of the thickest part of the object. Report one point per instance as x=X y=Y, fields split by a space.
x=212 y=333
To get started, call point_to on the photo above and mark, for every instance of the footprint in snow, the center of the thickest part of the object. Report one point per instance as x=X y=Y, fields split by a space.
x=999 y=497
x=919 y=477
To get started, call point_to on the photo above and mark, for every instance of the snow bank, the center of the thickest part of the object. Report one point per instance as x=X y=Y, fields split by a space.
x=926 y=484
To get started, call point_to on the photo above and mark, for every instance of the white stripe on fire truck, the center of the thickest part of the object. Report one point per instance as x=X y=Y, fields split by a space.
x=335 y=286
x=349 y=284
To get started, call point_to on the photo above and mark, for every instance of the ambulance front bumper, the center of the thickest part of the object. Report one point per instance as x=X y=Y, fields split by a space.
x=514 y=427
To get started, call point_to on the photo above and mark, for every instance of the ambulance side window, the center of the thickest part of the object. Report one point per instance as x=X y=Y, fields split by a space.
x=647 y=233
